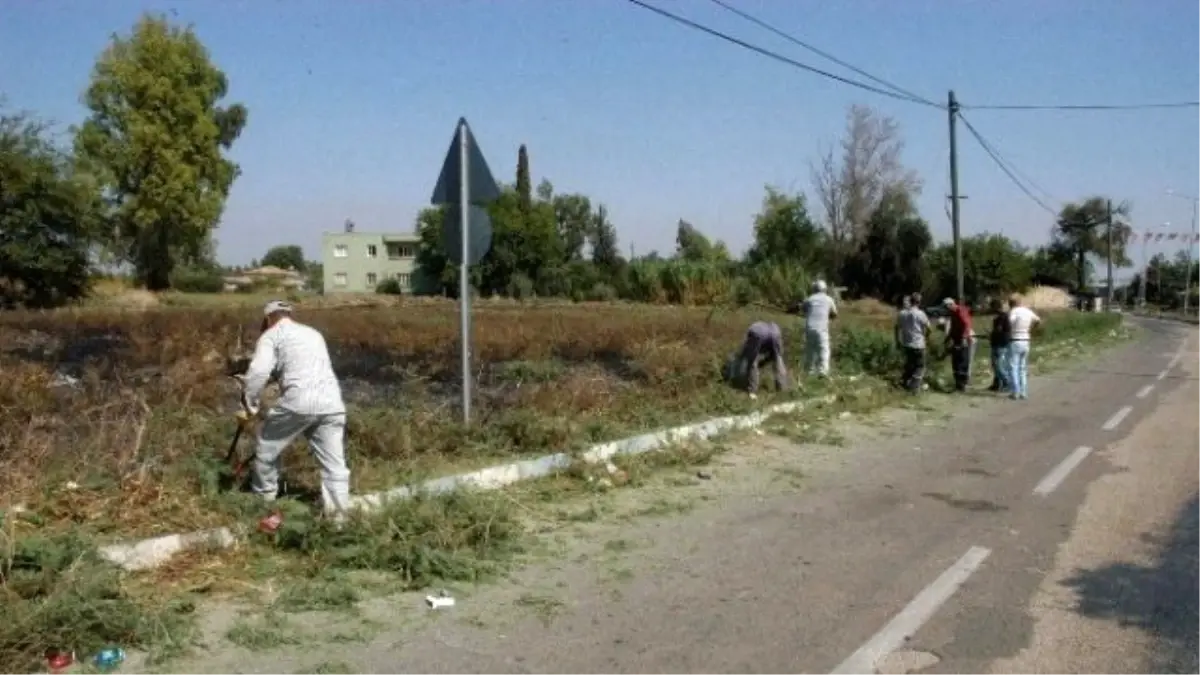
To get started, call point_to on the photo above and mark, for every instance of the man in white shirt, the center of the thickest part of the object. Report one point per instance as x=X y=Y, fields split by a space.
x=1021 y=321
x=819 y=309
x=310 y=404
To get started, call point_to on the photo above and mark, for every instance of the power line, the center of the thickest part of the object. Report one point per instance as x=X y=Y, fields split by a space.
x=795 y=40
x=779 y=57
x=1131 y=106
x=1004 y=166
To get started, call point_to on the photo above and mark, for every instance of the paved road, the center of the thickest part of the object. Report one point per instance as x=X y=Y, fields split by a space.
x=994 y=545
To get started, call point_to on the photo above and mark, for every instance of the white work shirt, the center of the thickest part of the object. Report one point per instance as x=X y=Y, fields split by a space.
x=817 y=309
x=299 y=356
x=1021 y=320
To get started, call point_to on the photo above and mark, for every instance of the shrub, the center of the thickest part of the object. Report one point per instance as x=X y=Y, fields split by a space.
x=390 y=287
x=194 y=280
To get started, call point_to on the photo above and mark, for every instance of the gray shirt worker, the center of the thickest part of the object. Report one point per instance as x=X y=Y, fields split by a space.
x=911 y=325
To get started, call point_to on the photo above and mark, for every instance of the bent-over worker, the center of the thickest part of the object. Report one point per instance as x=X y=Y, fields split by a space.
x=764 y=340
x=310 y=404
x=819 y=309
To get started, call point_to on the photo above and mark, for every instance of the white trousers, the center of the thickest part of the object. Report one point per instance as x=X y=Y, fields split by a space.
x=816 y=352
x=325 y=435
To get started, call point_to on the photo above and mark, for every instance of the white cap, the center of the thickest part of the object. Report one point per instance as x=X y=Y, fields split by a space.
x=949 y=302
x=276 y=306
x=819 y=285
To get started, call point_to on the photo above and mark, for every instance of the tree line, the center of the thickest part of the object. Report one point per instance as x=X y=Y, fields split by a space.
x=142 y=183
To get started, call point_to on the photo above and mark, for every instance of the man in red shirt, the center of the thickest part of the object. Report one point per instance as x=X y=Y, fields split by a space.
x=960 y=339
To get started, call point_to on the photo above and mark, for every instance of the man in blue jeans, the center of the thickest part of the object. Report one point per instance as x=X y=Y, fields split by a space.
x=1021 y=321
x=1000 y=339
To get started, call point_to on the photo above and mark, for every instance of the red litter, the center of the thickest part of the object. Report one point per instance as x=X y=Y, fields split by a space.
x=271 y=522
x=59 y=661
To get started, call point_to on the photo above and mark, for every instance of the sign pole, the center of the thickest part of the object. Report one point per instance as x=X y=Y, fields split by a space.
x=464 y=277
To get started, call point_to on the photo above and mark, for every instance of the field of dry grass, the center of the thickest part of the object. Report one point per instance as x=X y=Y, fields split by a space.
x=116 y=420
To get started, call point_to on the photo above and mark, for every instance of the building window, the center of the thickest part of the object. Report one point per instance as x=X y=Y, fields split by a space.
x=395 y=251
x=339 y=279
x=404 y=279
x=340 y=251
x=372 y=279
x=372 y=251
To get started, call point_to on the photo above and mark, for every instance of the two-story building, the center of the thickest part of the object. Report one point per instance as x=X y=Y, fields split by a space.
x=357 y=262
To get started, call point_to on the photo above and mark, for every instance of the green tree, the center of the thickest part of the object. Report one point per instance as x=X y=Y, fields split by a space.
x=691 y=245
x=1055 y=265
x=49 y=217
x=155 y=139
x=605 y=254
x=285 y=257
x=784 y=233
x=889 y=261
x=1083 y=229
x=524 y=182
x=993 y=266
x=573 y=219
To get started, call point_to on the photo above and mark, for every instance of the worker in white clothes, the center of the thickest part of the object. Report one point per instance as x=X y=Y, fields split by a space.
x=1021 y=322
x=819 y=310
x=310 y=404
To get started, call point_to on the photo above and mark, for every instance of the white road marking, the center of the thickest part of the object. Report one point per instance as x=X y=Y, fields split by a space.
x=1175 y=360
x=1145 y=391
x=1059 y=473
x=914 y=615
x=1118 y=417
x=1163 y=375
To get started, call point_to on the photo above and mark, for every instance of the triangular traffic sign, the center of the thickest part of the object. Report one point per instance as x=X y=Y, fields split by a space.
x=481 y=186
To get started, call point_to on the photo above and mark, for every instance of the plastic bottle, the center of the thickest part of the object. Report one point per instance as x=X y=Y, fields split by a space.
x=109 y=658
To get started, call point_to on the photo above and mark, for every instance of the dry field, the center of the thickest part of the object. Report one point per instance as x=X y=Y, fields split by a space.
x=116 y=420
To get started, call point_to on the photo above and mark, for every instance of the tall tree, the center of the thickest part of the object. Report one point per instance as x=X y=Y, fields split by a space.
x=524 y=182
x=605 y=254
x=1055 y=265
x=155 y=139
x=572 y=215
x=889 y=260
x=1082 y=229
x=852 y=181
x=785 y=233
x=691 y=245
x=285 y=257
x=48 y=219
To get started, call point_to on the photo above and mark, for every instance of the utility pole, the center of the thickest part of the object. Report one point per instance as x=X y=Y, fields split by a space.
x=1108 y=216
x=1187 y=278
x=952 y=109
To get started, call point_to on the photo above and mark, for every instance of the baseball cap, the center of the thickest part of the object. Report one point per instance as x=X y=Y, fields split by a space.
x=276 y=306
x=949 y=302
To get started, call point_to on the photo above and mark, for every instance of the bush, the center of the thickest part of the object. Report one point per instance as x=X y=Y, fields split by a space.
x=193 y=280
x=390 y=287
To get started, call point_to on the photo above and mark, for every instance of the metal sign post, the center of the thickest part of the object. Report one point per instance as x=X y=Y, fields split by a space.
x=465 y=183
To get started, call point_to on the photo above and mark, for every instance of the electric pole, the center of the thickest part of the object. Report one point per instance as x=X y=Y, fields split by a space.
x=1109 y=218
x=1187 y=278
x=952 y=108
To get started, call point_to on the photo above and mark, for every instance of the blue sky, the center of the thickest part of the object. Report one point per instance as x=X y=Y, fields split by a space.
x=352 y=104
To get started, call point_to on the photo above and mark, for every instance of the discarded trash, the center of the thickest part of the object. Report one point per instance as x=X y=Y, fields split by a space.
x=442 y=599
x=59 y=661
x=109 y=658
x=72 y=485
x=704 y=475
x=271 y=522
x=845 y=415
x=619 y=477
x=64 y=380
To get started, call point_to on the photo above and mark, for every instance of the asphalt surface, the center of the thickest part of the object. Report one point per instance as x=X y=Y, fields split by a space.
x=963 y=547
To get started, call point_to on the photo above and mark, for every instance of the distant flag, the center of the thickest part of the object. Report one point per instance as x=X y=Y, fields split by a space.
x=1148 y=236
x=1158 y=236
x=1171 y=237
x=1196 y=237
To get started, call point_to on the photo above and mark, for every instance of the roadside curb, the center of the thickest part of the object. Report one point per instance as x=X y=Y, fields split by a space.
x=150 y=553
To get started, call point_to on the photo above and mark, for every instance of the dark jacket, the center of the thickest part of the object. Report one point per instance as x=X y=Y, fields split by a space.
x=1001 y=331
